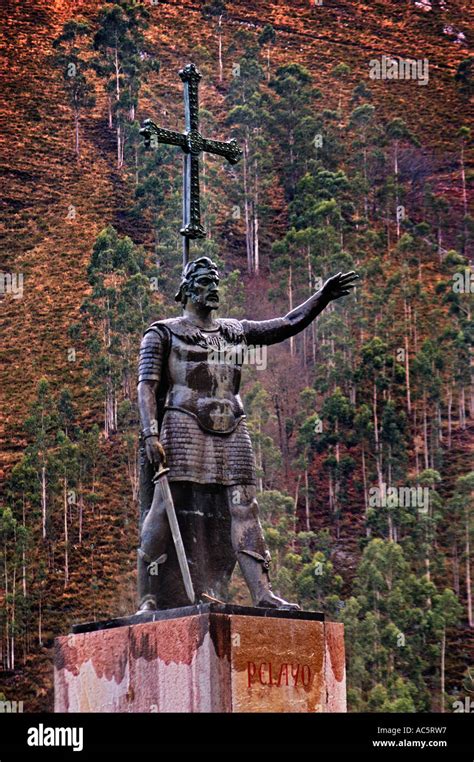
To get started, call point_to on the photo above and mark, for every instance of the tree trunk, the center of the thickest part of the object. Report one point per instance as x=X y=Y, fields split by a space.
x=81 y=511
x=407 y=359
x=467 y=554
x=366 y=493
x=462 y=409
x=443 y=670
x=290 y=302
x=76 y=133
x=110 y=408
x=43 y=499
x=306 y=499
x=425 y=433
x=310 y=291
x=117 y=73
x=259 y=465
x=395 y=169
x=118 y=145
x=291 y=141
x=221 y=67
x=450 y=420
x=66 y=535
x=415 y=442
x=117 y=98
x=256 y=248
x=464 y=198
x=40 y=620
x=455 y=565
x=336 y=476
x=295 y=517
x=388 y=221
x=331 y=494
x=281 y=433
x=471 y=390
x=7 y=622
x=12 y=620
x=366 y=198
x=440 y=423
x=23 y=552
x=378 y=459
x=248 y=238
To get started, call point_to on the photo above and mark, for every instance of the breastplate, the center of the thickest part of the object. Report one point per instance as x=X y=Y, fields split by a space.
x=204 y=381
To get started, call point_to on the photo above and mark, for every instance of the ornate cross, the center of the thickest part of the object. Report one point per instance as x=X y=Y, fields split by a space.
x=192 y=143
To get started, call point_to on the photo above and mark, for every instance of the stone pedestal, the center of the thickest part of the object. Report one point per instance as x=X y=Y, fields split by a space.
x=205 y=658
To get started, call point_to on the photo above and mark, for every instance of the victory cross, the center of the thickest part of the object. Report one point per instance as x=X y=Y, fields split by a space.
x=192 y=143
x=198 y=505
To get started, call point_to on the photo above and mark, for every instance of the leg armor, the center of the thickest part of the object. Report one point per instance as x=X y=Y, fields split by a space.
x=250 y=548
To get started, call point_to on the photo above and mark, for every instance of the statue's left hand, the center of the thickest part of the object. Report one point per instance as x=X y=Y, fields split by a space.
x=339 y=285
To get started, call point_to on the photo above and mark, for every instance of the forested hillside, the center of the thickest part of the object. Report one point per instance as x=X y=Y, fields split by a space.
x=362 y=425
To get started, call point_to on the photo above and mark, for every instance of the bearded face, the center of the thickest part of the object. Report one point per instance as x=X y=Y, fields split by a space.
x=204 y=289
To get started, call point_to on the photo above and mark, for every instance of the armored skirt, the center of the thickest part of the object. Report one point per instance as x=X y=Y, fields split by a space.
x=198 y=456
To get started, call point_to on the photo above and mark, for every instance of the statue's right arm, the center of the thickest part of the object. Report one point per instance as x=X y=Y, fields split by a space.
x=150 y=368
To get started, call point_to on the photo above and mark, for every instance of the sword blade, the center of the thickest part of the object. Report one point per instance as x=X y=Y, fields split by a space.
x=163 y=494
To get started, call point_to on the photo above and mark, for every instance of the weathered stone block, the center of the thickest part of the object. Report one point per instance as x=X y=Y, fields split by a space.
x=205 y=658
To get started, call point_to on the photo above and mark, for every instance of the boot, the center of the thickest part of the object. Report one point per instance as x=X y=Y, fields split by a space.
x=255 y=570
x=147 y=573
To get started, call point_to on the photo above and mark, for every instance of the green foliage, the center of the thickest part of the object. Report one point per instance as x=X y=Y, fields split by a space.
x=374 y=395
x=464 y=76
x=394 y=629
x=292 y=123
x=117 y=312
x=304 y=571
x=72 y=61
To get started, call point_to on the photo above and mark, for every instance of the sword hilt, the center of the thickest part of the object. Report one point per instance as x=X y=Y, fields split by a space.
x=162 y=471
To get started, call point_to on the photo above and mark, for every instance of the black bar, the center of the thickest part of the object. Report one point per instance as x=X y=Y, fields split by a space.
x=105 y=734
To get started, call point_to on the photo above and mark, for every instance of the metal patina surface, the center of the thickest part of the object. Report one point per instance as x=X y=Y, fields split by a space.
x=193 y=420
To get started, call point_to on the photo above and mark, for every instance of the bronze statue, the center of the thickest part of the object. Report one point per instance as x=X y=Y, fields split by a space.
x=199 y=515
x=192 y=418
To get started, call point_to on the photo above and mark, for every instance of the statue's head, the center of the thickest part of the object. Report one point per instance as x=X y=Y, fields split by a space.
x=200 y=284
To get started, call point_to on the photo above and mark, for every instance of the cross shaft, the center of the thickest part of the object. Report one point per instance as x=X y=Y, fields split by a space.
x=192 y=144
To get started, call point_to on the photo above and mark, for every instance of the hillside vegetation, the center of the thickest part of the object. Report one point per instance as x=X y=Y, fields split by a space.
x=362 y=425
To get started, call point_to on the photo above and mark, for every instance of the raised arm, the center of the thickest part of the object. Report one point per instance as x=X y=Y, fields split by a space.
x=279 y=329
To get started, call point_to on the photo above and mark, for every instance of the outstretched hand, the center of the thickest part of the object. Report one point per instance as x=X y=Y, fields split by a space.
x=339 y=285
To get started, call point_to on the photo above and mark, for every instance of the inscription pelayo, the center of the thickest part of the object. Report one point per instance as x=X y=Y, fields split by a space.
x=286 y=674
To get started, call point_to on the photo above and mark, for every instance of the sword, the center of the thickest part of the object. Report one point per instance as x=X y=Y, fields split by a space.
x=162 y=496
